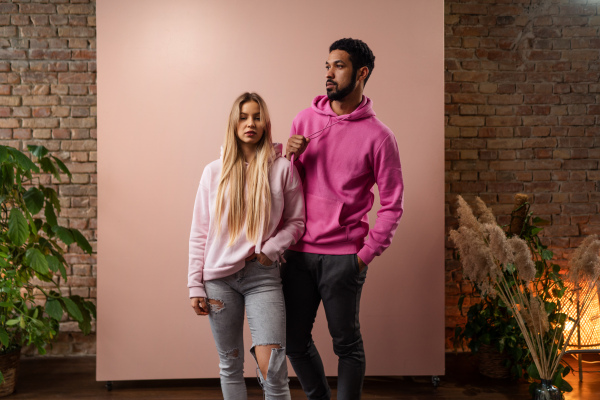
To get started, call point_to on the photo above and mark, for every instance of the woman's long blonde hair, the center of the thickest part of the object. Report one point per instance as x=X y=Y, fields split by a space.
x=248 y=187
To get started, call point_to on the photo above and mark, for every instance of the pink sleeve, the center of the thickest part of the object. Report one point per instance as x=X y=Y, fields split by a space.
x=388 y=176
x=198 y=236
x=292 y=220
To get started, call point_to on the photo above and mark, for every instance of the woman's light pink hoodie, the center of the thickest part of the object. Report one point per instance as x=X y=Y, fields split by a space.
x=210 y=255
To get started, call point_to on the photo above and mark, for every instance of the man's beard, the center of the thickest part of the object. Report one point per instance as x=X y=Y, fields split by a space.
x=339 y=94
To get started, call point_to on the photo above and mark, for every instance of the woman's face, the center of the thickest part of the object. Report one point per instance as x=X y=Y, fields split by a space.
x=250 y=128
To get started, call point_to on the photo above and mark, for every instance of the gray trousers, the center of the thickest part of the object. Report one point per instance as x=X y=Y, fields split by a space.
x=257 y=289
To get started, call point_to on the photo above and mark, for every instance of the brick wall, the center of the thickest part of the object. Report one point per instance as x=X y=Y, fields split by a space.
x=48 y=97
x=522 y=115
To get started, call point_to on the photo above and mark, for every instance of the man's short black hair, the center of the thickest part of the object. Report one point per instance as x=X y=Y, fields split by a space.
x=360 y=54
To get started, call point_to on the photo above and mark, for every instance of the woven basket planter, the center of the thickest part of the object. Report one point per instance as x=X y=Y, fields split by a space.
x=9 y=365
x=491 y=362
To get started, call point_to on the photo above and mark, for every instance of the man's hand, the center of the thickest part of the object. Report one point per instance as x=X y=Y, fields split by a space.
x=296 y=145
x=361 y=264
x=199 y=305
x=262 y=258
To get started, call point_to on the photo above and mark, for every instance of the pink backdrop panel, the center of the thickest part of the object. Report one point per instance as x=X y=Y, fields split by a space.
x=168 y=72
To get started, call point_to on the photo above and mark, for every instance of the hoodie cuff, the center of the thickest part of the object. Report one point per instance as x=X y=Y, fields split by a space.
x=197 y=291
x=366 y=255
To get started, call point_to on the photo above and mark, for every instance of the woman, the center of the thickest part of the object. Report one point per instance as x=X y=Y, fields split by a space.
x=248 y=211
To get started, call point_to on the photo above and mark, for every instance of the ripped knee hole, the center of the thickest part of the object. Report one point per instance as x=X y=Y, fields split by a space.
x=216 y=305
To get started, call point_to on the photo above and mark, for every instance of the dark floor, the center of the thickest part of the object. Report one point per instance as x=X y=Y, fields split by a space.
x=74 y=378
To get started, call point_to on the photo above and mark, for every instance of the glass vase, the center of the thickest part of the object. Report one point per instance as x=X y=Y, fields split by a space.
x=547 y=391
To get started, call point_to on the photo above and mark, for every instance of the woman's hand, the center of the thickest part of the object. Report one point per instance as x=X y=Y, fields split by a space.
x=261 y=258
x=199 y=305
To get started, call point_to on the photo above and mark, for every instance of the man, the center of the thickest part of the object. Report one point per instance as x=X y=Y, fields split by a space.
x=341 y=150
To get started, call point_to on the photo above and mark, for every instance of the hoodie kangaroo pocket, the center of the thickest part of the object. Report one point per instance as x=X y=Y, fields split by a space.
x=323 y=221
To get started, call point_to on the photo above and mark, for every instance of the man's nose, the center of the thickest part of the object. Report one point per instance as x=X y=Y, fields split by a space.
x=329 y=73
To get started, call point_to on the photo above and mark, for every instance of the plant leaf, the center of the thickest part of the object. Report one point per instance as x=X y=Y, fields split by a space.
x=52 y=197
x=12 y=322
x=547 y=254
x=34 y=200
x=63 y=234
x=533 y=371
x=17 y=227
x=54 y=309
x=38 y=151
x=50 y=215
x=4 y=339
x=53 y=263
x=3 y=154
x=71 y=308
x=36 y=260
x=22 y=160
x=48 y=166
x=82 y=241
x=62 y=166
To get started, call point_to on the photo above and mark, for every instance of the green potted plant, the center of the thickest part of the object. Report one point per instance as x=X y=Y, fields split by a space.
x=491 y=324
x=32 y=244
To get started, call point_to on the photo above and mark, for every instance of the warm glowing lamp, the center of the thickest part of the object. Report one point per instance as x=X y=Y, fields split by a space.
x=586 y=338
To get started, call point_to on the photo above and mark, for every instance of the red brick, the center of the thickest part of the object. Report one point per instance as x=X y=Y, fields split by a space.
x=22 y=134
x=574 y=77
x=40 y=112
x=541 y=99
x=502 y=121
x=12 y=54
x=468 y=98
x=468 y=144
x=577 y=120
x=580 y=164
x=78 y=100
x=466 y=121
x=505 y=187
x=507 y=77
x=36 y=32
x=59 y=20
x=76 y=32
x=544 y=55
x=76 y=78
x=38 y=8
x=468 y=187
x=505 y=99
x=84 y=55
x=8 y=8
x=76 y=9
x=543 y=164
x=507 y=165
x=546 y=32
x=463 y=76
x=474 y=9
x=43 y=54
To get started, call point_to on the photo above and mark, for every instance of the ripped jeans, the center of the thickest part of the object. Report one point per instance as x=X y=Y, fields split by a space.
x=258 y=288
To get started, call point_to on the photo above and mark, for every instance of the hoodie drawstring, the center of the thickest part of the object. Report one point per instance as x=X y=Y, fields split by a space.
x=313 y=136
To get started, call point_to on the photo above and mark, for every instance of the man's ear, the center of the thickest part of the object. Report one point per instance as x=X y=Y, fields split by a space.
x=362 y=74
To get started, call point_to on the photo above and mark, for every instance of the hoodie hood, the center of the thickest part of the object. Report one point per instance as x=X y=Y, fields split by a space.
x=322 y=105
x=277 y=149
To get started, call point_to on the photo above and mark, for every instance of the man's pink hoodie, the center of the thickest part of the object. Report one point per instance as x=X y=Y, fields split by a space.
x=210 y=255
x=338 y=170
